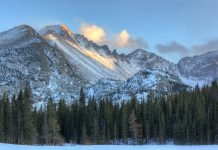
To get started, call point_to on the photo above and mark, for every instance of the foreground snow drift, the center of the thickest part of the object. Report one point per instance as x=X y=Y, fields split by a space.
x=108 y=147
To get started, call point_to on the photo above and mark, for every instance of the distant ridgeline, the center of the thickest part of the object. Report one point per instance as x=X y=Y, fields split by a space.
x=190 y=117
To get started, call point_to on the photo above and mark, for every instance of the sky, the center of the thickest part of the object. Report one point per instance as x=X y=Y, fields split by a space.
x=170 y=28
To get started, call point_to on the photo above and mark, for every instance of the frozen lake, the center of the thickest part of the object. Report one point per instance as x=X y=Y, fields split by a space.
x=108 y=147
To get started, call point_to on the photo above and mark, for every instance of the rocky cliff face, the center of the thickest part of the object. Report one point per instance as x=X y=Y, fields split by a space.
x=92 y=61
x=148 y=81
x=99 y=61
x=26 y=57
x=202 y=68
x=57 y=62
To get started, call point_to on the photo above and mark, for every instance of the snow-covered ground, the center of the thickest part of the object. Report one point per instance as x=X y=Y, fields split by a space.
x=108 y=147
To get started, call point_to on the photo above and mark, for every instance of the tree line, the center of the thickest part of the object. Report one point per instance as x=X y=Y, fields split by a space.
x=188 y=117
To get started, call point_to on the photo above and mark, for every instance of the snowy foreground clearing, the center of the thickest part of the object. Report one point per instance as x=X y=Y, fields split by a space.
x=108 y=147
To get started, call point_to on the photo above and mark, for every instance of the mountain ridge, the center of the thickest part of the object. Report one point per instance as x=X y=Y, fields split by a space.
x=71 y=61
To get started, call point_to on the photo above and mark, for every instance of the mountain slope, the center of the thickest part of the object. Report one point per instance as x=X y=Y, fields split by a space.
x=92 y=61
x=144 y=82
x=202 y=69
x=26 y=57
x=57 y=62
x=147 y=60
x=98 y=61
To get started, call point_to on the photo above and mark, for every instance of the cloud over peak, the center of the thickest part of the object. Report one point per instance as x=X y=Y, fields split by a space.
x=115 y=40
x=122 y=39
x=93 y=32
x=210 y=45
x=172 y=47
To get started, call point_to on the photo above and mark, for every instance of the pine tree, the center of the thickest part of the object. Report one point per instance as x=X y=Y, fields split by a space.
x=20 y=118
x=40 y=125
x=64 y=119
x=135 y=128
x=29 y=129
x=82 y=122
x=124 y=122
x=14 y=109
x=1 y=121
x=101 y=123
x=51 y=128
x=74 y=121
x=162 y=127
x=6 y=118
x=92 y=125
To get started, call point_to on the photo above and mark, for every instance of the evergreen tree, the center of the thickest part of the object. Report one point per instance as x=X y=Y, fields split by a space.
x=135 y=128
x=6 y=119
x=29 y=129
x=51 y=128
x=1 y=121
x=20 y=134
x=82 y=115
x=14 y=109
x=64 y=119
x=124 y=122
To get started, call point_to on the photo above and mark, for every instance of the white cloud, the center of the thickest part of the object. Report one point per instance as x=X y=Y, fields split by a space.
x=116 y=40
x=93 y=32
x=211 y=45
x=172 y=47
x=122 y=39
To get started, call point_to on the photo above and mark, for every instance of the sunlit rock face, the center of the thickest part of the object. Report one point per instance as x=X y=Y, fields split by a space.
x=99 y=61
x=92 y=61
x=107 y=72
x=66 y=29
x=26 y=58
x=57 y=62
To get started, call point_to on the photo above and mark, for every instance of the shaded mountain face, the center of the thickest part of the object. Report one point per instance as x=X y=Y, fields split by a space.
x=98 y=61
x=202 y=68
x=92 y=61
x=26 y=57
x=56 y=62
x=147 y=60
x=147 y=81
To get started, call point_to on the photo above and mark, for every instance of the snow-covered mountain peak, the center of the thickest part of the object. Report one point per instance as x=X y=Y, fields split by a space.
x=19 y=36
x=202 y=67
x=58 y=62
x=139 y=53
x=21 y=28
x=88 y=57
x=115 y=52
x=144 y=82
x=61 y=30
x=88 y=44
x=26 y=57
x=17 y=32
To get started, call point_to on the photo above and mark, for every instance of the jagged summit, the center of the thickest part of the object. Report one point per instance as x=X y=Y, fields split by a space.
x=115 y=52
x=56 y=29
x=140 y=54
x=207 y=54
x=19 y=36
x=21 y=28
x=26 y=57
x=139 y=51
x=58 y=62
x=202 y=68
x=17 y=32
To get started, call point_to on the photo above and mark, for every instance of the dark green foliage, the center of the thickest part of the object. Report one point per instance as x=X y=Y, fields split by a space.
x=189 y=117
x=50 y=127
x=6 y=119
x=64 y=119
